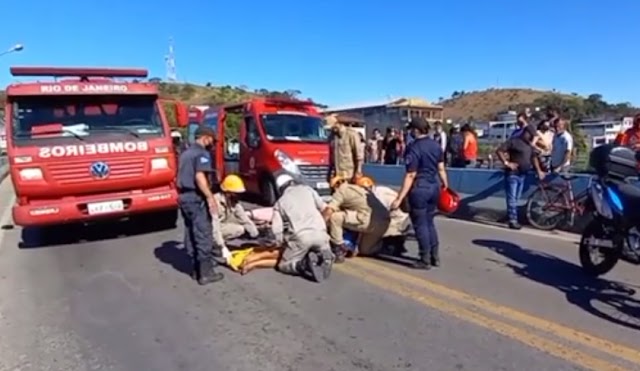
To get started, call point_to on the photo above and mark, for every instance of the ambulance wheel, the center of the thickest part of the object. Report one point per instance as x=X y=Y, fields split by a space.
x=268 y=191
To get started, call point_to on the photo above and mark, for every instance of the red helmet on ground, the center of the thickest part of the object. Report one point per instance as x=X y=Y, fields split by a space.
x=448 y=201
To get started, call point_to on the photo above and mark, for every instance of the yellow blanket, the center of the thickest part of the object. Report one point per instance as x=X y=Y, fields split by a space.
x=237 y=257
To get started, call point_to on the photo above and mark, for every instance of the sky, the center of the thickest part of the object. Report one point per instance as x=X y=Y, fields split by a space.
x=344 y=52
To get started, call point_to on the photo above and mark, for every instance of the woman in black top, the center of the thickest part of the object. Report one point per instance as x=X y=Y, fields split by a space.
x=390 y=146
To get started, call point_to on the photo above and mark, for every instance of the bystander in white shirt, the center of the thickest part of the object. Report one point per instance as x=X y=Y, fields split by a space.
x=562 y=144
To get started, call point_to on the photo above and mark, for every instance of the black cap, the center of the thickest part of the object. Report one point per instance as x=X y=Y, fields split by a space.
x=418 y=123
x=205 y=131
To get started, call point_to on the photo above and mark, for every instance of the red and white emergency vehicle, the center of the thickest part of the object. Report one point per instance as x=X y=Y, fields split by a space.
x=89 y=147
x=275 y=136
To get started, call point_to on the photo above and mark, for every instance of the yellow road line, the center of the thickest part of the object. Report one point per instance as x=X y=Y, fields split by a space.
x=521 y=335
x=561 y=331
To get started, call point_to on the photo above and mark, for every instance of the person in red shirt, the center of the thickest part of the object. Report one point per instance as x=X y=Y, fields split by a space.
x=631 y=136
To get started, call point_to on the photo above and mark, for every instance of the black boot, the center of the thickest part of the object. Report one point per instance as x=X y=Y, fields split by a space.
x=340 y=253
x=207 y=273
x=423 y=263
x=398 y=246
x=318 y=265
x=327 y=262
x=435 y=256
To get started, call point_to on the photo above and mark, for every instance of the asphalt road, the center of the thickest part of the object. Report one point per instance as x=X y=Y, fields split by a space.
x=502 y=300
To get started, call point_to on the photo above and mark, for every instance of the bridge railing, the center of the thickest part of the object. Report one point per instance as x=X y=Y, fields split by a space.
x=482 y=191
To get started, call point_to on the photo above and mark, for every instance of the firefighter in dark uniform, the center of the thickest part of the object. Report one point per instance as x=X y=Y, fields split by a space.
x=424 y=161
x=198 y=206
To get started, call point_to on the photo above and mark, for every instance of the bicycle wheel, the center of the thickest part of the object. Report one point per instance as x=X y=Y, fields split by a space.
x=547 y=207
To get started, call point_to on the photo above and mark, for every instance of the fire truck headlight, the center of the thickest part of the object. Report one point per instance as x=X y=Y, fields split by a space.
x=160 y=163
x=31 y=174
x=286 y=162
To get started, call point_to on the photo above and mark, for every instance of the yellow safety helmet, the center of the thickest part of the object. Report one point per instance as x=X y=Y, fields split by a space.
x=336 y=181
x=233 y=184
x=365 y=182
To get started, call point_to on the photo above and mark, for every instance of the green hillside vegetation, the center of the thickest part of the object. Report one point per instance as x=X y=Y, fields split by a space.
x=484 y=105
x=216 y=95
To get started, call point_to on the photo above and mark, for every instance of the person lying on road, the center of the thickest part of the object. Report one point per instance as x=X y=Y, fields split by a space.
x=298 y=227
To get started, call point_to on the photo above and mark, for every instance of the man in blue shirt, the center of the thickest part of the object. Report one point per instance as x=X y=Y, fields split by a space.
x=198 y=205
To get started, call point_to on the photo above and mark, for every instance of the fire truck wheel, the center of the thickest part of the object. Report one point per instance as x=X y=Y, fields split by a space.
x=34 y=237
x=268 y=191
x=167 y=219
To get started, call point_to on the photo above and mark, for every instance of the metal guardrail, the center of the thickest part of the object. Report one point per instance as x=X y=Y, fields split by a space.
x=3 y=160
x=482 y=191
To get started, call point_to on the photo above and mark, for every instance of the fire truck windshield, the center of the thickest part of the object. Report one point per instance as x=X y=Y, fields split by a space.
x=61 y=119
x=294 y=127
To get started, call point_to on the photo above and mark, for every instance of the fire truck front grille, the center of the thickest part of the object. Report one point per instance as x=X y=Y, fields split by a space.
x=314 y=171
x=80 y=172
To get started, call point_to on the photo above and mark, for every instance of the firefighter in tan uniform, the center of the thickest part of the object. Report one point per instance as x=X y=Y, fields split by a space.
x=346 y=154
x=232 y=221
x=354 y=208
x=394 y=237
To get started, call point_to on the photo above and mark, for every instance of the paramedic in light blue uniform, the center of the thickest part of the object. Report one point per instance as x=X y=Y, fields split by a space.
x=424 y=161
x=198 y=206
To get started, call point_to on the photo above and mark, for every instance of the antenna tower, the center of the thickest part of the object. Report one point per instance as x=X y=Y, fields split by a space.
x=170 y=63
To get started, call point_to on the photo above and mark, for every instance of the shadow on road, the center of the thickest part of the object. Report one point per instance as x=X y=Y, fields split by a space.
x=38 y=237
x=609 y=300
x=169 y=253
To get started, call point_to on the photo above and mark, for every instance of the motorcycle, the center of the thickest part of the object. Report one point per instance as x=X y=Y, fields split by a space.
x=615 y=206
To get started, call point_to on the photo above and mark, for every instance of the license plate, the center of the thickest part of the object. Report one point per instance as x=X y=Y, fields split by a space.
x=322 y=185
x=105 y=207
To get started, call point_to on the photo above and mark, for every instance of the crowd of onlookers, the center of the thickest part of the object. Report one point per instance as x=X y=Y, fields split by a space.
x=543 y=145
x=459 y=144
x=546 y=147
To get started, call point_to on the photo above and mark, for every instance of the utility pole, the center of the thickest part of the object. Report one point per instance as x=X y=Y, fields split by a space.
x=170 y=63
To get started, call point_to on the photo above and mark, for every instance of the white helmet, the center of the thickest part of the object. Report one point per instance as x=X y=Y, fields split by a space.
x=282 y=180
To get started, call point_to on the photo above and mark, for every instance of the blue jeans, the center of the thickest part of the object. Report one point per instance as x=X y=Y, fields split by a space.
x=513 y=188
x=423 y=202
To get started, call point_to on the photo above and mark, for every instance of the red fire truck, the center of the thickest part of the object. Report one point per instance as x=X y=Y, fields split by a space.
x=274 y=136
x=89 y=147
x=196 y=118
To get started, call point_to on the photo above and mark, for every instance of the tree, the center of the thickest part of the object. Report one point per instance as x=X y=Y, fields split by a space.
x=171 y=114
x=232 y=126
x=292 y=93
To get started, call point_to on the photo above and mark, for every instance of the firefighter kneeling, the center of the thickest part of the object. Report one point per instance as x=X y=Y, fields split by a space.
x=232 y=221
x=302 y=246
x=354 y=208
x=394 y=237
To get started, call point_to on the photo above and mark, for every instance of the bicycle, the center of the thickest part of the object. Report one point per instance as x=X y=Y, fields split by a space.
x=559 y=199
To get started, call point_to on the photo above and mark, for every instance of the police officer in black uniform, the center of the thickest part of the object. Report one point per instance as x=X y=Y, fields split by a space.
x=424 y=161
x=198 y=206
